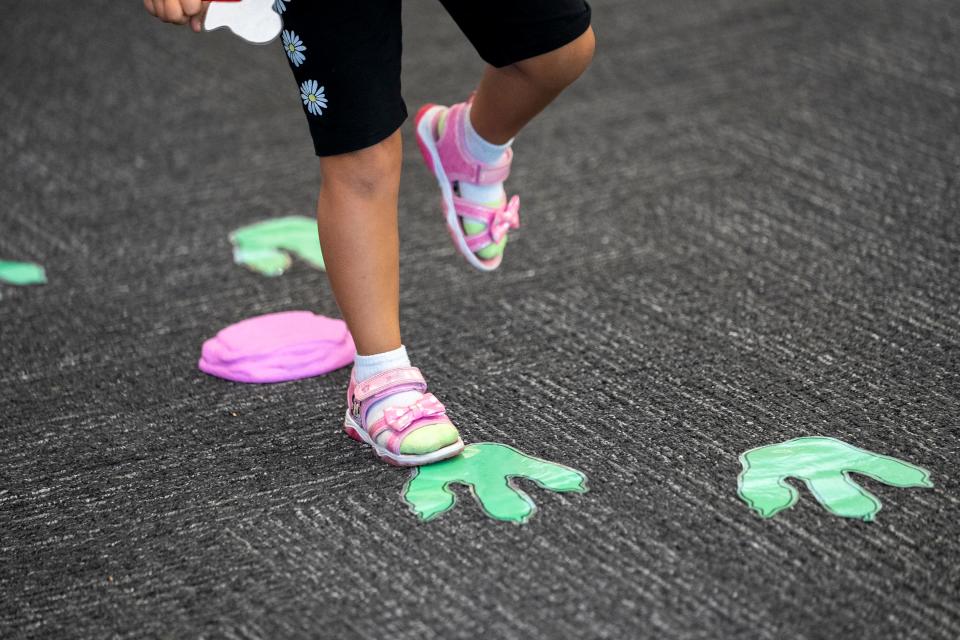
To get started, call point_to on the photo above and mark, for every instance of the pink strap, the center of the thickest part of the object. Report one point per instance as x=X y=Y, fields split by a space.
x=478 y=241
x=468 y=209
x=498 y=221
x=494 y=173
x=456 y=160
x=385 y=380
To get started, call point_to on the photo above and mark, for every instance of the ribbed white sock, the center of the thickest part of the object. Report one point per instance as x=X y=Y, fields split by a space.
x=365 y=367
x=480 y=149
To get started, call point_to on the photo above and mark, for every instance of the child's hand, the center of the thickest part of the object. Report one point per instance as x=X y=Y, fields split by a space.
x=179 y=11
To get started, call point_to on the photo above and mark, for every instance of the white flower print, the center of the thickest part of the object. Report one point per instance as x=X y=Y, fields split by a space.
x=294 y=47
x=280 y=5
x=313 y=99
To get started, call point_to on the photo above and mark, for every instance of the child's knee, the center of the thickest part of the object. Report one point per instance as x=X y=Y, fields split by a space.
x=561 y=67
x=371 y=172
x=581 y=54
x=576 y=56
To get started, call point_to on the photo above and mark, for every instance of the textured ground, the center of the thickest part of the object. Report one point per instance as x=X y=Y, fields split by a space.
x=741 y=226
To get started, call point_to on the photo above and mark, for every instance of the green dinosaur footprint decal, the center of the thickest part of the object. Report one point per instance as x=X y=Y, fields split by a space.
x=21 y=273
x=824 y=465
x=488 y=469
x=265 y=247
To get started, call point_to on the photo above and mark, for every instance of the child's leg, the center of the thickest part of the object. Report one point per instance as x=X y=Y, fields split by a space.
x=345 y=57
x=357 y=219
x=509 y=97
x=535 y=49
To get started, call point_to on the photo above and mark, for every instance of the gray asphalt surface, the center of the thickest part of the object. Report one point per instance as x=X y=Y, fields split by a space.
x=741 y=226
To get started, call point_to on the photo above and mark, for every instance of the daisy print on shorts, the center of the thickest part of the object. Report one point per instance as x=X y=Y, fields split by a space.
x=313 y=99
x=280 y=5
x=294 y=47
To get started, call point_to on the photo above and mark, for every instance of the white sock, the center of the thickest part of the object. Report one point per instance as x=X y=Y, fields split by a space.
x=365 y=367
x=491 y=195
x=487 y=153
x=480 y=149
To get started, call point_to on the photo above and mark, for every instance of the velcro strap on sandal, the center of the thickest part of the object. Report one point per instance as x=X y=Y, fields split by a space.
x=386 y=380
x=493 y=173
x=458 y=164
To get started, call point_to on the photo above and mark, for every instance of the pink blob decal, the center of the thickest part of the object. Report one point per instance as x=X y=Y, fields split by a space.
x=278 y=347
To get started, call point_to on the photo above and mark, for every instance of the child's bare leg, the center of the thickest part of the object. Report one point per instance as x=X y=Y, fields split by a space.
x=357 y=219
x=509 y=97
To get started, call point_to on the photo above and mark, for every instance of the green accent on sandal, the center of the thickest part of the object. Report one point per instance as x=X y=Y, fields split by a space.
x=442 y=122
x=489 y=251
x=429 y=439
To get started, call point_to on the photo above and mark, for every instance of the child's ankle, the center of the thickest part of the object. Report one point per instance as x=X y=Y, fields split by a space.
x=365 y=367
x=482 y=150
x=478 y=148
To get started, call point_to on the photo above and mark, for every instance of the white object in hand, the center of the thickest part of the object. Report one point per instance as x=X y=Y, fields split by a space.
x=252 y=20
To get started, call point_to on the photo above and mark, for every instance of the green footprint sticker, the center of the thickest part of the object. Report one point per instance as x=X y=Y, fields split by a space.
x=21 y=273
x=824 y=465
x=488 y=468
x=265 y=247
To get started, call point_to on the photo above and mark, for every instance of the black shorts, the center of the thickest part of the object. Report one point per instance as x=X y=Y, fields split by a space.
x=345 y=56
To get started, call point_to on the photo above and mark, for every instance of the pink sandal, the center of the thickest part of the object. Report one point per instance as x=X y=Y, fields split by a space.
x=436 y=438
x=449 y=161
